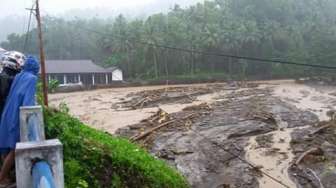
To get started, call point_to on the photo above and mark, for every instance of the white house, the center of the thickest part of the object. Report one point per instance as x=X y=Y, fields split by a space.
x=117 y=74
x=82 y=71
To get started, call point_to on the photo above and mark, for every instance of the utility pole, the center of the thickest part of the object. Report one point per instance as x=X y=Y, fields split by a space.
x=42 y=56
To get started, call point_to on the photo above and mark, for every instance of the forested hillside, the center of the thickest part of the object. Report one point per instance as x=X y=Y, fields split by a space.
x=293 y=30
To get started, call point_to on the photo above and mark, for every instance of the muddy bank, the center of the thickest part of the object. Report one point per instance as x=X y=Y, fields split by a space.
x=206 y=151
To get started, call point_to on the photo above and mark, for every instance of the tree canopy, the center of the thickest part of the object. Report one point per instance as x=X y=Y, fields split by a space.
x=292 y=30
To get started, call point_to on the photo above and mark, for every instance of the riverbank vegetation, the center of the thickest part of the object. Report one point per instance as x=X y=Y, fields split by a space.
x=96 y=159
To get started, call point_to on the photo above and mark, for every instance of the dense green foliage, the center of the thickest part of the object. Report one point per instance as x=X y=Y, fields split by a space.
x=295 y=30
x=96 y=159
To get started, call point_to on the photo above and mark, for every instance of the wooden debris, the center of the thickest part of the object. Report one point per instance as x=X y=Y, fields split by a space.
x=146 y=133
x=312 y=151
x=151 y=98
x=203 y=106
x=140 y=103
x=321 y=129
x=262 y=115
x=139 y=137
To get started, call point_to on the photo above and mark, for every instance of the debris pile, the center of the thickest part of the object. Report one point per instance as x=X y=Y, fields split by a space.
x=201 y=140
x=145 y=132
x=152 y=98
x=208 y=143
x=173 y=95
x=315 y=151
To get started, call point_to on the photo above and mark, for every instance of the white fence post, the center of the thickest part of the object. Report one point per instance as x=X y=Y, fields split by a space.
x=31 y=122
x=34 y=150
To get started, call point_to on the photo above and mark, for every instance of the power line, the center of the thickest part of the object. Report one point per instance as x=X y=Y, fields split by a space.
x=255 y=59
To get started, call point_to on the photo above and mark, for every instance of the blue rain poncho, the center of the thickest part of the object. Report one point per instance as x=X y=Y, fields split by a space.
x=22 y=93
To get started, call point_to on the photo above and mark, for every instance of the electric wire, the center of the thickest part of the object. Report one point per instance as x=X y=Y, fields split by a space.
x=255 y=59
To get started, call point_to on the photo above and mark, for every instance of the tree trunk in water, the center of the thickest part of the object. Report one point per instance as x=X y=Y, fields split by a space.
x=128 y=62
x=230 y=67
x=192 y=62
x=155 y=65
x=166 y=63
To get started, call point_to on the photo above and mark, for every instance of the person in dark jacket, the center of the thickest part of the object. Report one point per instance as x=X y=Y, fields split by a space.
x=11 y=63
x=22 y=93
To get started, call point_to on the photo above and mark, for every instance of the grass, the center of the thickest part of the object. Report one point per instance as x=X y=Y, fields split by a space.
x=96 y=159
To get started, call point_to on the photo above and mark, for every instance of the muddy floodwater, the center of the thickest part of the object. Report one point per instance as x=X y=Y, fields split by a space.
x=96 y=107
x=222 y=135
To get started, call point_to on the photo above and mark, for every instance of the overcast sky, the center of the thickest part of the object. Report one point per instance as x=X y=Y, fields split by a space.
x=59 y=7
x=13 y=15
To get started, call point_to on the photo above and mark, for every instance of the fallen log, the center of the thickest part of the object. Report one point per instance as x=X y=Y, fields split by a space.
x=321 y=129
x=308 y=152
x=262 y=115
x=144 y=102
x=139 y=103
x=139 y=137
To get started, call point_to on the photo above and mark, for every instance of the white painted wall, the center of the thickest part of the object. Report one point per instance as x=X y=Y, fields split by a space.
x=2 y=51
x=93 y=79
x=117 y=75
x=65 y=80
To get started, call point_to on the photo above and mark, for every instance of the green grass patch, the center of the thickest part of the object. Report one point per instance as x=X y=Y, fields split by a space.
x=96 y=159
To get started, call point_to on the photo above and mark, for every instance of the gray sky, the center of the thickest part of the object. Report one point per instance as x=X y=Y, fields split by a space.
x=14 y=16
x=59 y=7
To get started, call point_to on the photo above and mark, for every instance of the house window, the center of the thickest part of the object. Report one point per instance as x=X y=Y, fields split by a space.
x=72 y=78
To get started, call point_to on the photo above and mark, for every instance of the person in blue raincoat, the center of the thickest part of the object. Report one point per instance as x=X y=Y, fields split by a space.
x=22 y=93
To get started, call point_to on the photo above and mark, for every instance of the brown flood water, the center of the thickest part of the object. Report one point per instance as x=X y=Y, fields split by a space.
x=95 y=109
x=317 y=101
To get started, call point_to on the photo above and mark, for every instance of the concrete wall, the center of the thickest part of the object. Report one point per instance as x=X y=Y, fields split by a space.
x=26 y=155
x=31 y=116
x=33 y=149
x=117 y=75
